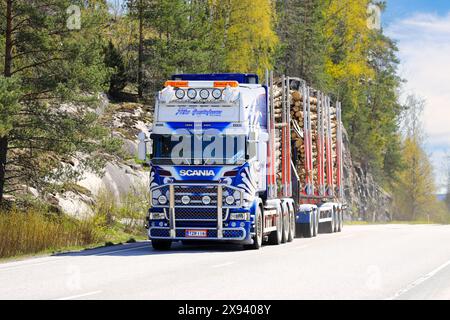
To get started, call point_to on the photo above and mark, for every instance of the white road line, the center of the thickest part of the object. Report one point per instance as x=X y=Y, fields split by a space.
x=223 y=265
x=80 y=295
x=123 y=250
x=419 y=281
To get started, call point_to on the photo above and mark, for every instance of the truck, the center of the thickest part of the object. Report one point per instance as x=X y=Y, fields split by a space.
x=235 y=161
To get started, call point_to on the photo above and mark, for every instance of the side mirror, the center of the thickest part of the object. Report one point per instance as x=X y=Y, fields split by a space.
x=142 y=147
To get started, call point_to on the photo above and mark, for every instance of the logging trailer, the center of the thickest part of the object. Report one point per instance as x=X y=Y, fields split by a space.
x=232 y=160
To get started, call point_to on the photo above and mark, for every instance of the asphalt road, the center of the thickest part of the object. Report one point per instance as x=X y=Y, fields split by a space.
x=362 y=262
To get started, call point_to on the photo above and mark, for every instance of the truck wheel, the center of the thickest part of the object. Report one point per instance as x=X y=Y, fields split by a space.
x=291 y=234
x=285 y=228
x=257 y=239
x=161 y=245
x=275 y=237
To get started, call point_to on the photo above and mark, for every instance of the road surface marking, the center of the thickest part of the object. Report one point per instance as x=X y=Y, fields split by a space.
x=419 y=281
x=80 y=295
x=123 y=250
x=223 y=265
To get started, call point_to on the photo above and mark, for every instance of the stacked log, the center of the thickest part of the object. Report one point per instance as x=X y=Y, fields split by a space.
x=297 y=126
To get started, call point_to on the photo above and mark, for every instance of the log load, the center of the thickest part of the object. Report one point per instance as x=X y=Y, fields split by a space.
x=296 y=101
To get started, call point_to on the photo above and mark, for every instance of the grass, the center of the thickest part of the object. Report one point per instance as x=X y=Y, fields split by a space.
x=37 y=230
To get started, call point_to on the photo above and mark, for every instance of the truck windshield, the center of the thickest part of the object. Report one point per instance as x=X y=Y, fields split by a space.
x=198 y=149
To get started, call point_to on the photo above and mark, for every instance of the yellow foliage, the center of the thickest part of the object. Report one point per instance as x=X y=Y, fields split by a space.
x=347 y=36
x=248 y=35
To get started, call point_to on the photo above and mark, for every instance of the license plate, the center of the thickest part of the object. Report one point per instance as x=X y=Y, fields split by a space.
x=196 y=233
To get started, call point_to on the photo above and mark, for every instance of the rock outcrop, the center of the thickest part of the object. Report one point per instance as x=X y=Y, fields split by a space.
x=365 y=198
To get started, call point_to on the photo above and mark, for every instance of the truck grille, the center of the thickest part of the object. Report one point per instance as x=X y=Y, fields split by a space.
x=197 y=214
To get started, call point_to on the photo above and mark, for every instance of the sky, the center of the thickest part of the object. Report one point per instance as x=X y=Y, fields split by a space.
x=422 y=31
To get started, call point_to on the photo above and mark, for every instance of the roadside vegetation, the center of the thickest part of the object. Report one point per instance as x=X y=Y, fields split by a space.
x=38 y=228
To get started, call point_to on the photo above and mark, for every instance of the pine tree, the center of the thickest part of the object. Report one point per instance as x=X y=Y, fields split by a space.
x=51 y=57
x=114 y=60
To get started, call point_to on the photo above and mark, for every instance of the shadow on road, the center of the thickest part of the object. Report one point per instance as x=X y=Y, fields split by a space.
x=145 y=249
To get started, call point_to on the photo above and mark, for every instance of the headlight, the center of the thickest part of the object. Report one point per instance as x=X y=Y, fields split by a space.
x=180 y=93
x=217 y=94
x=229 y=200
x=204 y=94
x=162 y=199
x=192 y=93
x=157 y=216
x=240 y=216
x=206 y=200
x=185 y=200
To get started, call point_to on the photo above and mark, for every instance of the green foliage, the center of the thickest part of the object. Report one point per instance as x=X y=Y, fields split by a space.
x=9 y=104
x=56 y=74
x=114 y=60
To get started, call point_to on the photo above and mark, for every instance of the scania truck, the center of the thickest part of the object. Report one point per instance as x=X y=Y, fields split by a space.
x=225 y=167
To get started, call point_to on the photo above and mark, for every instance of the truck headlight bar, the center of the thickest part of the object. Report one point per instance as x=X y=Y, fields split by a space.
x=217 y=94
x=204 y=94
x=192 y=93
x=229 y=200
x=180 y=93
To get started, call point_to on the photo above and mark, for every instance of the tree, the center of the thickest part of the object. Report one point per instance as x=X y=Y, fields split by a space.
x=114 y=60
x=245 y=32
x=447 y=196
x=48 y=60
x=302 y=45
x=415 y=189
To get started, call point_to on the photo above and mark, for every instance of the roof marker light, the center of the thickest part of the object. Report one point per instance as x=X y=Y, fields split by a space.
x=177 y=84
x=224 y=84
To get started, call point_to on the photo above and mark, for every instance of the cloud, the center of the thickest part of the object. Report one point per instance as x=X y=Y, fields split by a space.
x=424 y=50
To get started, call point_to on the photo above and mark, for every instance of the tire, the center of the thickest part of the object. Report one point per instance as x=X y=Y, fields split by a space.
x=291 y=234
x=339 y=221
x=316 y=223
x=258 y=237
x=275 y=237
x=308 y=228
x=161 y=245
x=333 y=222
x=285 y=227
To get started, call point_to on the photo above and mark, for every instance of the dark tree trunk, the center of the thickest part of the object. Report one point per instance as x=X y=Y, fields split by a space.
x=141 y=52
x=6 y=73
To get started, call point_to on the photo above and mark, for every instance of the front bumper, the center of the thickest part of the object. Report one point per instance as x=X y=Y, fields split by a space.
x=228 y=234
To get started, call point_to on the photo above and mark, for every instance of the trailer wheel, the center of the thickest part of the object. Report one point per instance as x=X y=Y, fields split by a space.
x=161 y=245
x=291 y=235
x=308 y=228
x=258 y=237
x=339 y=221
x=285 y=227
x=316 y=223
x=275 y=237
